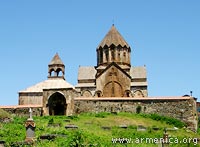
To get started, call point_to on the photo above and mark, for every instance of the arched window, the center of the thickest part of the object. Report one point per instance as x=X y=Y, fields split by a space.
x=113 y=54
x=98 y=93
x=107 y=54
x=101 y=56
x=124 y=54
x=51 y=72
x=87 y=93
x=127 y=93
x=138 y=93
x=59 y=72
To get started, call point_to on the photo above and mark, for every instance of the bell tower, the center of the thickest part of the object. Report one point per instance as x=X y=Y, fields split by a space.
x=56 y=68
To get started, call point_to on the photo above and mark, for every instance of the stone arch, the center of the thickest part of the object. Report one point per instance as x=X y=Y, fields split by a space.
x=113 y=89
x=86 y=93
x=59 y=72
x=51 y=72
x=138 y=93
x=127 y=93
x=57 y=104
x=98 y=94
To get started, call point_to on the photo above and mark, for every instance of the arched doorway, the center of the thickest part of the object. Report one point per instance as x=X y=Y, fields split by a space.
x=57 y=104
x=112 y=89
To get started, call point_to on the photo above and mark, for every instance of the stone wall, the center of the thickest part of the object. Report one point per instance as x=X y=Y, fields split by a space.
x=69 y=94
x=181 y=108
x=24 y=111
x=30 y=98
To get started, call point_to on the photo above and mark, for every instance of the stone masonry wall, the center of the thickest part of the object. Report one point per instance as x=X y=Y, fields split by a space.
x=24 y=111
x=183 y=109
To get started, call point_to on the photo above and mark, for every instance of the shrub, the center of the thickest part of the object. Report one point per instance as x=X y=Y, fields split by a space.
x=138 y=109
x=51 y=121
x=4 y=114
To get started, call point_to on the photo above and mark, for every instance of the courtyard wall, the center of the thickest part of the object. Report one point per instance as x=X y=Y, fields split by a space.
x=182 y=108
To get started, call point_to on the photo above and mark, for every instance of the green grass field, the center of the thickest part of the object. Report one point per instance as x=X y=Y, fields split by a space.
x=90 y=132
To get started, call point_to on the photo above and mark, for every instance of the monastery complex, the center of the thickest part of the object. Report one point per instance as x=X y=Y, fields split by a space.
x=113 y=85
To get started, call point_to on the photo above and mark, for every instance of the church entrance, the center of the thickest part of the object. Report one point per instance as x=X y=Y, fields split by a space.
x=112 y=89
x=57 y=104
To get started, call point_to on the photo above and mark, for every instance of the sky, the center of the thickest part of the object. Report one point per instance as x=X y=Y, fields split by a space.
x=164 y=35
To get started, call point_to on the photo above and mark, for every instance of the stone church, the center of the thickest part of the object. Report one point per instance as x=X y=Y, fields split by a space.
x=113 y=85
x=113 y=76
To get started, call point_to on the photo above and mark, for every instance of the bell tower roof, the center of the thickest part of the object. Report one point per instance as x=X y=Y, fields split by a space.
x=56 y=68
x=56 y=60
x=113 y=37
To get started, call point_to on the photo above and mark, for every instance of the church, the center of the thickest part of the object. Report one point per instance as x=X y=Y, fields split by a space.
x=113 y=85
x=113 y=76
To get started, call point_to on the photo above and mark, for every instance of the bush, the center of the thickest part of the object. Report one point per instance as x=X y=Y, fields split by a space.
x=4 y=114
x=51 y=121
x=138 y=109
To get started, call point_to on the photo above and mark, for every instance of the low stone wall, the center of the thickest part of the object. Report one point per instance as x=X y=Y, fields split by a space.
x=183 y=108
x=23 y=110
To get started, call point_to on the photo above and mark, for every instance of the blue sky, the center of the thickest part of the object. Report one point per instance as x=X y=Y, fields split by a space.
x=164 y=36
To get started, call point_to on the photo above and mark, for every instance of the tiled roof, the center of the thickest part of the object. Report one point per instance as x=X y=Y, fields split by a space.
x=138 y=72
x=56 y=60
x=113 y=37
x=86 y=72
x=56 y=83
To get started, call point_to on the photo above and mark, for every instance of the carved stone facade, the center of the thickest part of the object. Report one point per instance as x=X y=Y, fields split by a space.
x=113 y=82
x=113 y=76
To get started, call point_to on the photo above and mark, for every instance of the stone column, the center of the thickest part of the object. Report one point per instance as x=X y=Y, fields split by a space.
x=104 y=56
x=109 y=55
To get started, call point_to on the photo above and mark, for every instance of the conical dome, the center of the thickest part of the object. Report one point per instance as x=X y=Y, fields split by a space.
x=113 y=48
x=113 y=37
x=56 y=60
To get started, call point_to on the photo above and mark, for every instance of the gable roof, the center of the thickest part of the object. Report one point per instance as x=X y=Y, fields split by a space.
x=56 y=60
x=138 y=72
x=86 y=72
x=117 y=66
x=113 y=37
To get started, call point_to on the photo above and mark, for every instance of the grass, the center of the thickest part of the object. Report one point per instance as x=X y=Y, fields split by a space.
x=90 y=132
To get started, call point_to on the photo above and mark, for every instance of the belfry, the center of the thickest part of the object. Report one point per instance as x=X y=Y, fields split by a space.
x=53 y=94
